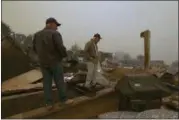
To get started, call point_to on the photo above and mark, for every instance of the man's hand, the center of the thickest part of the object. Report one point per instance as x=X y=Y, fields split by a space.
x=65 y=59
x=95 y=60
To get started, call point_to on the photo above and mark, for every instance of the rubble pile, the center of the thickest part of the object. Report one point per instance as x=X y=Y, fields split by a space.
x=172 y=101
x=148 y=114
x=118 y=115
x=158 y=114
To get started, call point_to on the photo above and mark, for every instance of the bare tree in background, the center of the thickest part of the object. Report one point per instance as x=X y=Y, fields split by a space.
x=16 y=39
x=75 y=48
x=140 y=57
x=75 y=51
x=28 y=43
x=5 y=30
x=19 y=39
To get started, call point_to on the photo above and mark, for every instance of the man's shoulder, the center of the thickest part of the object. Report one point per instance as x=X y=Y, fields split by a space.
x=89 y=42
x=51 y=31
x=48 y=31
x=55 y=32
x=37 y=32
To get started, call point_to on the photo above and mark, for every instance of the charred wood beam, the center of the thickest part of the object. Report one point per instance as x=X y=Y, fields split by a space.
x=83 y=107
x=28 y=101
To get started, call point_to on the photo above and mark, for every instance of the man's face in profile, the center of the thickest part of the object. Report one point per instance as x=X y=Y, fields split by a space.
x=54 y=26
x=97 y=39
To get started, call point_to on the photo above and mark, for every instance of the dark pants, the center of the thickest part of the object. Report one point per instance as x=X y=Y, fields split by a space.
x=54 y=72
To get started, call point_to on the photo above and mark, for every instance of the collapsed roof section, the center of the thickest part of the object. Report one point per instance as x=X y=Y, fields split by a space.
x=14 y=61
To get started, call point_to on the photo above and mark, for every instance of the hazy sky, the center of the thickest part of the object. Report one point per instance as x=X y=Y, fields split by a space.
x=118 y=22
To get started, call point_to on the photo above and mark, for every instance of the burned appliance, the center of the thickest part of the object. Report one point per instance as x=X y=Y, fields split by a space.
x=139 y=92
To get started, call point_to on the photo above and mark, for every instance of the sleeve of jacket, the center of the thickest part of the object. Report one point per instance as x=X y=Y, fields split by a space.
x=59 y=44
x=86 y=49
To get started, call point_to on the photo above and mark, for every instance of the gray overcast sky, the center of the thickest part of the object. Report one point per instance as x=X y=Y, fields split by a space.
x=118 y=22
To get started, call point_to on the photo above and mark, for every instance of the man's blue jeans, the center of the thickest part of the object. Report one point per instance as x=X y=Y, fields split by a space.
x=54 y=72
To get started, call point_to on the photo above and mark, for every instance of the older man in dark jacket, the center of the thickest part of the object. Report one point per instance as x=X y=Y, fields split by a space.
x=49 y=47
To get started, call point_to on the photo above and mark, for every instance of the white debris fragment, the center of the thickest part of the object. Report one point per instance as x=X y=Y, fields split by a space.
x=100 y=78
x=68 y=77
